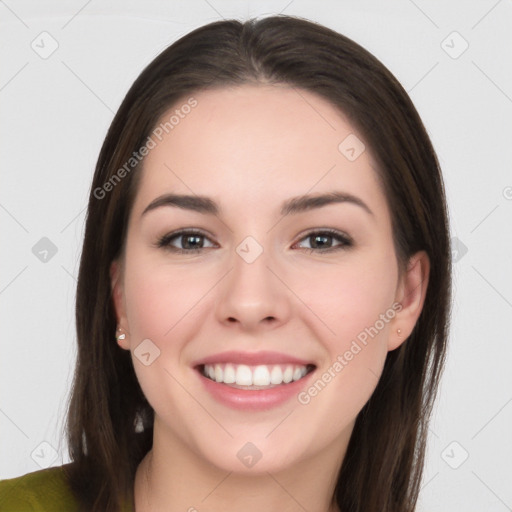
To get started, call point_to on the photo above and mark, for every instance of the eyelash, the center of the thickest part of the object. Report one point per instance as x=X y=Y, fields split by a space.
x=346 y=241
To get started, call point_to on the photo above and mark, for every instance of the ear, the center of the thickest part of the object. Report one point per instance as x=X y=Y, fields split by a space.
x=116 y=285
x=410 y=297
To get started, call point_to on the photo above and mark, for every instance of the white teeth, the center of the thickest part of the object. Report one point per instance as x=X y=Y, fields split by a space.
x=243 y=375
x=297 y=374
x=229 y=374
x=289 y=374
x=276 y=377
x=261 y=375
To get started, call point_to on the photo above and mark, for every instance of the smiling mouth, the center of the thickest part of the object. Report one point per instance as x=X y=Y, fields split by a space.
x=256 y=377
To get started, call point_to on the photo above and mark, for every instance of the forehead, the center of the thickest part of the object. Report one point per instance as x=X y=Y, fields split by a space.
x=257 y=145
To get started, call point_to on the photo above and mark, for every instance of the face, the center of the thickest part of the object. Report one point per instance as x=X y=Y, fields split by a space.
x=240 y=281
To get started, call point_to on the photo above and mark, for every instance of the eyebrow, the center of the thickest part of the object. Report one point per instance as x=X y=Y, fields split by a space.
x=206 y=205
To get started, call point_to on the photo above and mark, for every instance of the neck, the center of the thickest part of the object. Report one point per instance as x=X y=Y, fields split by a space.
x=171 y=477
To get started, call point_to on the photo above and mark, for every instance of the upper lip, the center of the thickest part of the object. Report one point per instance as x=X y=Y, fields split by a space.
x=251 y=358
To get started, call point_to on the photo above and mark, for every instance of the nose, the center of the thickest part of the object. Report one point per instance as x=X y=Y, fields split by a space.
x=251 y=296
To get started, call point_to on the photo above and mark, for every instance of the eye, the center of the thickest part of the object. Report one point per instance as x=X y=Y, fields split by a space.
x=193 y=241
x=323 y=241
x=190 y=241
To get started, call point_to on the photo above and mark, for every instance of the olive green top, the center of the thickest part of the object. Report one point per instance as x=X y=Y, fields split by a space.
x=41 y=491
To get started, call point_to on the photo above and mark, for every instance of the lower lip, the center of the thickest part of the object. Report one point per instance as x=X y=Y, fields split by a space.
x=254 y=399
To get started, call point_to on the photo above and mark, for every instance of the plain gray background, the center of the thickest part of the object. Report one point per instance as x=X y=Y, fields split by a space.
x=66 y=68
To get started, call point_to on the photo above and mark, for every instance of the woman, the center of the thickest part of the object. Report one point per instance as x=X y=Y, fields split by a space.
x=264 y=286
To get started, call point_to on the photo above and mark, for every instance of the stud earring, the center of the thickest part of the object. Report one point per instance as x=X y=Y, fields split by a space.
x=398 y=331
x=120 y=336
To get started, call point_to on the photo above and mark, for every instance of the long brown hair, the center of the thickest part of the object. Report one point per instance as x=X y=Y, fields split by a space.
x=383 y=465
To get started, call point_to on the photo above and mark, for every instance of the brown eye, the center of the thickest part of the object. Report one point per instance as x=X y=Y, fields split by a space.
x=326 y=240
x=186 y=241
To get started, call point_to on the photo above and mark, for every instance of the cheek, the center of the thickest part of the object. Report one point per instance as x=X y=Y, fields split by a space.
x=358 y=291
x=357 y=307
x=164 y=305
x=161 y=305
x=157 y=299
x=355 y=304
